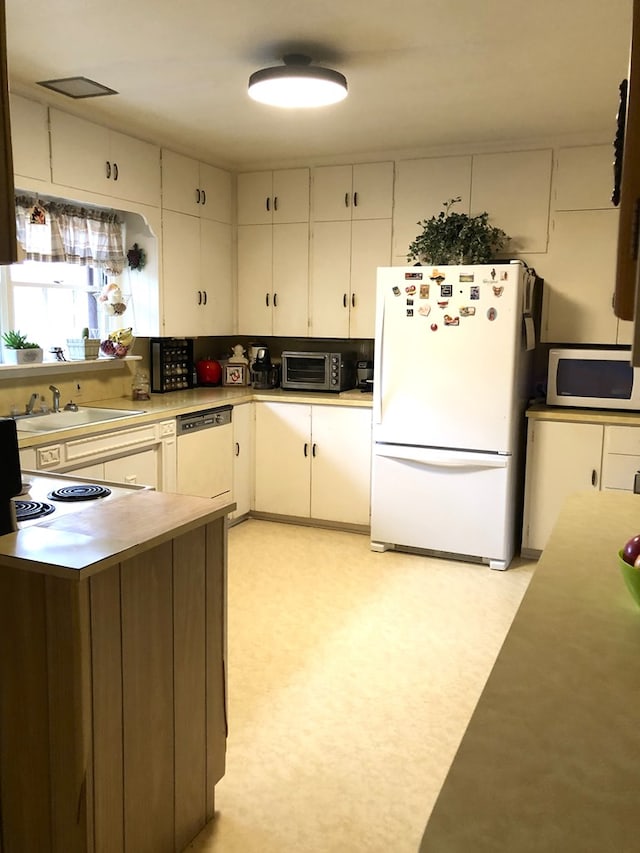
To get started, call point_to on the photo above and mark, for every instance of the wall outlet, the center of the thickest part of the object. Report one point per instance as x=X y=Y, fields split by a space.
x=77 y=391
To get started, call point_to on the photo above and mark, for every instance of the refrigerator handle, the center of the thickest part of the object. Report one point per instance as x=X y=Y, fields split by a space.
x=379 y=345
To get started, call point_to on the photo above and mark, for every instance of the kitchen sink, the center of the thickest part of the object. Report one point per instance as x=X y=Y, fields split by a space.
x=66 y=419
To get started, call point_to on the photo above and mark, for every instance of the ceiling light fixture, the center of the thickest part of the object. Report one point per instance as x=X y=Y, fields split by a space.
x=297 y=83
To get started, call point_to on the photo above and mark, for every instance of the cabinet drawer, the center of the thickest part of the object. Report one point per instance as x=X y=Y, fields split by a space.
x=101 y=445
x=619 y=439
x=619 y=470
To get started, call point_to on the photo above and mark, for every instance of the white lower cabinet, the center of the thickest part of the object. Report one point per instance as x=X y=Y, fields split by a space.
x=138 y=468
x=326 y=454
x=562 y=458
x=243 y=459
x=144 y=455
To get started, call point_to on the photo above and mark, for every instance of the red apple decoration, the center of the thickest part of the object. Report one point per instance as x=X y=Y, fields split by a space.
x=631 y=551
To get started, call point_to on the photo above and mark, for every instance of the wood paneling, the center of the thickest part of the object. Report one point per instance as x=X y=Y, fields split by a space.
x=24 y=757
x=189 y=685
x=216 y=597
x=107 y=711
x=112 y=701
x=147 y=680
x=69 y=685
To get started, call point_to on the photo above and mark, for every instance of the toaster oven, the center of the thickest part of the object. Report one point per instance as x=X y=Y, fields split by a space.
x=318 y=371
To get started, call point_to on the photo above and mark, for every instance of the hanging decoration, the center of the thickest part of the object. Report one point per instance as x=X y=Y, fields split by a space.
x=112 y=300
x=136 y=257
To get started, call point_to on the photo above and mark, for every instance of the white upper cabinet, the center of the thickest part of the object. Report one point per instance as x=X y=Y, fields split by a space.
x=30 y=139
x=195 y=188
x=583 y=178
x=579 y=269
x=422 y=189
x=197 y=282
x=579 y=273
x=344 y=259
x=266 y=198
x=363 y=191
x=90 y=157
x=514 y=189
x=273 y=276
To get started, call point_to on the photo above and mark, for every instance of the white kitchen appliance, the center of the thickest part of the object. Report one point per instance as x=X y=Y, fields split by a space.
x=452 y=360
x=46 y=497
x=593 y=378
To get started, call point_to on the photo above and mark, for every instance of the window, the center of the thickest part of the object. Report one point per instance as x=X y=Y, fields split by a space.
x=69 y=278
x=50 y=302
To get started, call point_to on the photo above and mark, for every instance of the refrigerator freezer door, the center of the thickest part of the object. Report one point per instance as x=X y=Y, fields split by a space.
x=447 y=355
x=438 y=500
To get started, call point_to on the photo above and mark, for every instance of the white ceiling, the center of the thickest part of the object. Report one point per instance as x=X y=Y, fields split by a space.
x=421 y=73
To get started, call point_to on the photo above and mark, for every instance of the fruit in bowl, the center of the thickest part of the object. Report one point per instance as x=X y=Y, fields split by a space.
x=631 y=551
x=118 y=343
x=629 y=562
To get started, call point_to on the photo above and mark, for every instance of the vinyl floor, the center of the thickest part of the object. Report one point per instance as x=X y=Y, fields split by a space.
x=352 y=676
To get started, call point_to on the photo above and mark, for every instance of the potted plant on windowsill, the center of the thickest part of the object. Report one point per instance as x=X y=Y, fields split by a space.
x=456 y=238
x=18 y=350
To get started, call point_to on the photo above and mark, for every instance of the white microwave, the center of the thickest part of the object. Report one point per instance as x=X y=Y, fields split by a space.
x=593 y=379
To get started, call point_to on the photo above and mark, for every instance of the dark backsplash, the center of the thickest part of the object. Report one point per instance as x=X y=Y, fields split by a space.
x=221 y=347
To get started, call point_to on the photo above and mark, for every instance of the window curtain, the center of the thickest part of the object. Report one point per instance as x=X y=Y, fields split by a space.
x=55 y=231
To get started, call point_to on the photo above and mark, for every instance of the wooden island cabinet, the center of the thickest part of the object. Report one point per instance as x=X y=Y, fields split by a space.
x=113 y=708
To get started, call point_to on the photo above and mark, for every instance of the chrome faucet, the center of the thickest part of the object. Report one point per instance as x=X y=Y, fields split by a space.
x=32 y=401
x=56 y=397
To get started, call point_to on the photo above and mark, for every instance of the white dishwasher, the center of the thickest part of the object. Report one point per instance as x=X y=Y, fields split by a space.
x=205 y=452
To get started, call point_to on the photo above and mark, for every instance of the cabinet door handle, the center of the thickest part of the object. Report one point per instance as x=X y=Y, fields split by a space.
x=237 y=449
x=355 y=199
x=344 y=300
x=268 y=204
x=266 y=299
x=199 y=297
x=353 y=300
x=313 y=449
x=275 y=300
x=204 y=196
x=204 y=295
x=107 y=169
x=594 y=477
x=115 y=171
x=346 y=199
x=197 y=196
x=275 y=202
x=306 y=449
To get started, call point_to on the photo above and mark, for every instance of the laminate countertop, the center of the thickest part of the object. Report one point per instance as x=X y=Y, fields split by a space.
x=550 y=761
x=80 y=544
x=170 y=405
x=617 y=417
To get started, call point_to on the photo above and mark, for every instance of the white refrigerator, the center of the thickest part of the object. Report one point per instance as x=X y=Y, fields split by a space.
x=451 y=367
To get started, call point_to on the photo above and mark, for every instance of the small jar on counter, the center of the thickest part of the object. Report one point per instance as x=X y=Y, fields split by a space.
x=141 y=387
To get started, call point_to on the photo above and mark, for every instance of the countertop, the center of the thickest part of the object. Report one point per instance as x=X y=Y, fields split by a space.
x=175 y=403
x=550 y=760
x=540 y=411
x=80 y=544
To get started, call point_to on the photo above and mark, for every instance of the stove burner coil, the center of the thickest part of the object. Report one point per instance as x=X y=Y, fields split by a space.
x=28 y=510
x=80 y=492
